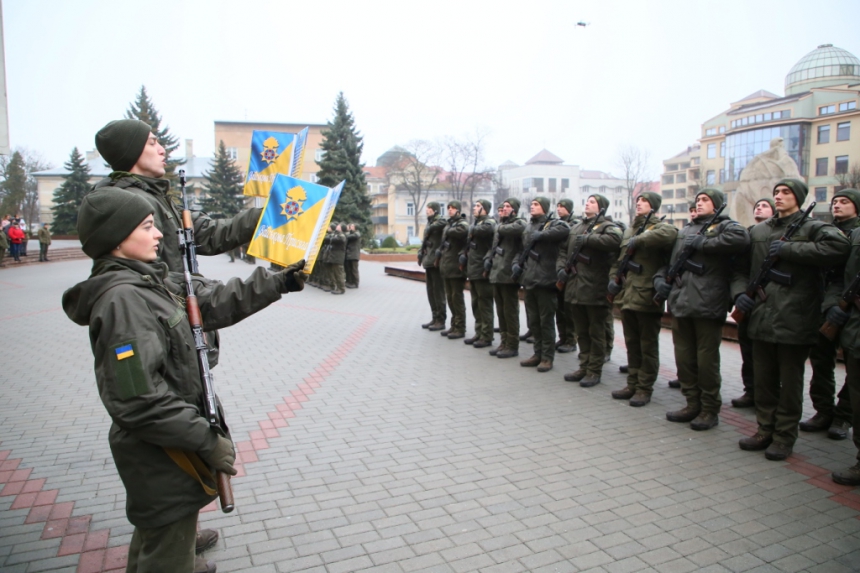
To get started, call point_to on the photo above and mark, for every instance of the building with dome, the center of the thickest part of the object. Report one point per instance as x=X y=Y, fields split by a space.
x=817 y=118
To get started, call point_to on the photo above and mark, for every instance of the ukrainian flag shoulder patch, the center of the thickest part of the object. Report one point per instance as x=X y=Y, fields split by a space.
x=124 y=351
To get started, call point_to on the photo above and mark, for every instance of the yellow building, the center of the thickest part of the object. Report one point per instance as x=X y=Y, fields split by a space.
x=678 y=184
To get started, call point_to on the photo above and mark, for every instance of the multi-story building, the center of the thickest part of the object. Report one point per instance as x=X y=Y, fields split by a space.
x=681 y=178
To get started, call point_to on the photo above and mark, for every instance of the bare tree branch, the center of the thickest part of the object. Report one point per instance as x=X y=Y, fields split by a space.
x=633 y=163
x=414 y=171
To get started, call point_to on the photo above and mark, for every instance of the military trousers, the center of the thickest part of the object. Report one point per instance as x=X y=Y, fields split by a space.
x=165 y=549
x=507 y=299
x=852 y=369
x=779 y=388
x=697 y=356
x=642 y=338
x=541 y=306
x=746 y=344
x=351 y=268
x=436 y=294
x=590 y=321
x=564 y=322
x=43 y=252
x=610 y=332
x=822 y=385
x=481 y=292
x=454 y=288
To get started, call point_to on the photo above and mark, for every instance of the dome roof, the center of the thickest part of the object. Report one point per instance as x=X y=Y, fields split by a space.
x=826 y=65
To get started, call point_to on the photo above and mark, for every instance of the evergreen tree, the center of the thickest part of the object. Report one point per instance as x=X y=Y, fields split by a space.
x=341 y=161
x=144 y=110
x=14 y=186
x=69 y=195
x=223 y=185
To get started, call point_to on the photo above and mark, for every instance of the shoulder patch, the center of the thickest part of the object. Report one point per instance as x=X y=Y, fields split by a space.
x=130 y=377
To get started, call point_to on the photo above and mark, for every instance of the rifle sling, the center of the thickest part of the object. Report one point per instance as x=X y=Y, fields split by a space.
x=190 y=463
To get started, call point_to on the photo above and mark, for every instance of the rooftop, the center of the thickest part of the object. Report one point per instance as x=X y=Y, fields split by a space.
x=193 y=167
x=824 y=66
x=545 y=157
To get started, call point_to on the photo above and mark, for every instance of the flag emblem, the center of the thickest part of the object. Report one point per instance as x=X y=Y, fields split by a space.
x=124 y=352
x=270 y=150
x=293 y=207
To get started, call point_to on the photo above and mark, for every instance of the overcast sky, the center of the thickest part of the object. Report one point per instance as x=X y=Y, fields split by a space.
x=641 y=73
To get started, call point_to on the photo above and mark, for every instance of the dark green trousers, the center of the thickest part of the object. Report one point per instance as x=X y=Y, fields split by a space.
x=590 y=322
x=456 y=302
x=852 y=368
x=507 y=301
x=697 y=356
x=436 y=294
x=747 y=373
x=541 y=306
x=779 y=388
x=338 y=277
x=642 y=338
x=351 y=269
x=564 y=322
x=610 y=332
x=163 y=549
x=822 y=385
x=481 y=292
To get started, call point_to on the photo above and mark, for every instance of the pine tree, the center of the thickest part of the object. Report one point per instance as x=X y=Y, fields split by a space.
x=223 y=185
x=144 y=110
x=69 y=195
x=342 y=145
x=14 y=187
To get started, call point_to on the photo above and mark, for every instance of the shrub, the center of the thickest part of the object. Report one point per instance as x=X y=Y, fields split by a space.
x=390 y=242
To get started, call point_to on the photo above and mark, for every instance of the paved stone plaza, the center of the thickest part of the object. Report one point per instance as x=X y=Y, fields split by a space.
x=369 y=444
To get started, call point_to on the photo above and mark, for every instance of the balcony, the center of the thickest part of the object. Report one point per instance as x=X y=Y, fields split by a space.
x=382 y=220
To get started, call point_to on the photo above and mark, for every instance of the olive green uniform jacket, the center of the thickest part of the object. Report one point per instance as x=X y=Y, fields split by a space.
x=154 y=395
x=453 y=243
x=44 y=236
x=509 y=244
x=792 y=314
x=353 y=245
x=479 y=242
x=337 y=252
x=652 y=250
x=849 y=337
x=710 y=294
x=431 y=242
x=539 y=268
x=588 y=285
x=212 y=236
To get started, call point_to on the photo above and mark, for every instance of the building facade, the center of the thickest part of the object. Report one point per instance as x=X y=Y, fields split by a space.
x=681 y=178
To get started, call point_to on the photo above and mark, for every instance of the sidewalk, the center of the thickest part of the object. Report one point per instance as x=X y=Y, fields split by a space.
x=369 y=444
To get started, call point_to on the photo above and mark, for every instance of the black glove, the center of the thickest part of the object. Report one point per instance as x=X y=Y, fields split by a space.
x=662 y=287
x=516 y=271
x=222 y=457
x=420 y=256
x=837 y=316
x=613 y=287
x=631 y=243
x=562 y=276
x=581 y=240
x=488 y=265
x=463 y=260
x=744 y=303
x=775 y=248
x=293 y=279
x=694 y=241
x=537 y=236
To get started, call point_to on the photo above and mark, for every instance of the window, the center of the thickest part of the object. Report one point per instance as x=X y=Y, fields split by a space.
x=722 y=129
x=232 y=153
x=672 y=167
x=709 y=177
x=821 y=166
x=734 y=123
x=552 y=185
x=668 y=194
x=537 y=183
x=722 y=175
x=722 y=149
x=312 y=177
x=680 y=193
x=318 y=155
x=843 y=131
x=668 y=179
x=786 y=113
x=823 y=134
x=527 y=184
x=777 y=115
x=711 y=131
x=685 y=166
x=565 y=184
x=768 y=116
x=681 y=178
x=694 y=173
x=410 y=208
x=410 y=231
x=712 y=150
x=841 y=165
x=845 y=106
x=821 y=194
x=694 y=161
x=826 y=109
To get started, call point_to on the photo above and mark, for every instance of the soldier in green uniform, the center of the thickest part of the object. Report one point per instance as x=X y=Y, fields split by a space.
x=479 y=242
x=563 y=319
x=326 y=279
x=640 y=317
x=584 y=280
x=336 y=258
x=353 y=254
x=44 y=242
x=699 y=303
x=784 y=326
x=147 y=373
x=542 y=238
x=508 y=244
x=427 y=259
x=830 y=416
x=4 y=246
x=454 y=237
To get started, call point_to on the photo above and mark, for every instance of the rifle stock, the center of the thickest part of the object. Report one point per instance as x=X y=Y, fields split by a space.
x=627 y=261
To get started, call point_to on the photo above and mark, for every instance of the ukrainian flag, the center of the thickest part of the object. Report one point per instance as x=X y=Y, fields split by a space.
x=123 y=352
x=273 y=153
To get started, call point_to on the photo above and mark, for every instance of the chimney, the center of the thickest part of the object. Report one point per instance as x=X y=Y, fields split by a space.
x=93 y=154
x=189 y=148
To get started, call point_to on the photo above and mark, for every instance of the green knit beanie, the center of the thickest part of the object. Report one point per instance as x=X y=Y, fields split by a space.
x=434 y=206
x=797 y=187
x=852 y=195
x=456 y=205
x=544 y=202
x=567 y=204
x=717 y=197
x=107 y=216
x=654 y=199
x=514 y=203
x=767 y=200
x=602 y=201
x=485 y=204
x=122 y=141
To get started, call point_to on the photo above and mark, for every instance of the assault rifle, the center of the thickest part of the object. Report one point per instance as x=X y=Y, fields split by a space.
x=851 y=297
x=627 y=262
x=491 y=254
x=528 y=252
x=576 y=256
x=683 y=261
x=767 y=273
x=213 y=414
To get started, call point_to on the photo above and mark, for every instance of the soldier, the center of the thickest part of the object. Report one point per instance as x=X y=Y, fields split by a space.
x=427 y=259
x=4 y=246
x=784 y=325
x=836 y=419
x=480 y=241
x=563 y=319
x=147 y=374
x=762 y=211
x=640 y=317
x=584 y=277
x=336 y=258
x=508 y=241
x=699 y=302
x=326 y=278
x=454 y=237
x=353 y=254
x=541 y=239
x=44 y=242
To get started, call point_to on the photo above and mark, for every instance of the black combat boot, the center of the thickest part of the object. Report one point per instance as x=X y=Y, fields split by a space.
x=684 y=415
x=818 y=423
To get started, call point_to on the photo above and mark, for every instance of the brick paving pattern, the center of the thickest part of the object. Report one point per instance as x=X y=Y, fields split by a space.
x=368 y=444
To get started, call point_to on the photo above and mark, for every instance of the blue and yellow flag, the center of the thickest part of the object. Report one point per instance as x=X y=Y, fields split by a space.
x=274 y=153
x=294 y=221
